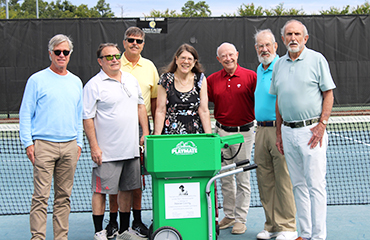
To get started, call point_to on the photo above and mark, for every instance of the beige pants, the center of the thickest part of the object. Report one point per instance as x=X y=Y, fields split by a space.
x=58 y=160
x=236 y=189
x=274 y=185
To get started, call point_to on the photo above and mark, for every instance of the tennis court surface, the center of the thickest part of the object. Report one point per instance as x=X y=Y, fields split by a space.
x=348 y=186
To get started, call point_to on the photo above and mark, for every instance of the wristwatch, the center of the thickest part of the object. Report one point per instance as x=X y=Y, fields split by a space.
x=325 y=122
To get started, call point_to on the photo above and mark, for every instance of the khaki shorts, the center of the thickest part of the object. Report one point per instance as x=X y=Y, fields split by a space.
x=122 y=175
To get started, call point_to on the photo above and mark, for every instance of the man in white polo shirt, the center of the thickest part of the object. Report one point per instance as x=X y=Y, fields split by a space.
x=113 y=105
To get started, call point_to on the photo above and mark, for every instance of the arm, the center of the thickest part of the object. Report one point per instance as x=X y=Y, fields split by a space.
x=203 y=110
x=153 y=103
x=27 y=110
x=160 y=112
x=143 y=120
x=279 y=122
x=80 y=125
x=96 y=153
x=319 y=130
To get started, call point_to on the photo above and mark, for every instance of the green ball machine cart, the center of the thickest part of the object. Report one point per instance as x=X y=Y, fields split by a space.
x=183 y=169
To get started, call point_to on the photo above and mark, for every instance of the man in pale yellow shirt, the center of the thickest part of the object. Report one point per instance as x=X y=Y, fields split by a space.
x=143 y=69
x=147 y=75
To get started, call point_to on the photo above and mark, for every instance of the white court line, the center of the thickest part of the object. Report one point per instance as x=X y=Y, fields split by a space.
x=351 y=139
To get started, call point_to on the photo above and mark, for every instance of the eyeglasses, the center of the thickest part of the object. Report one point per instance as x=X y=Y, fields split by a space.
x=261 y=46
x=58 y=52
x=132 y=40
x=183 y=59
x=110 y=57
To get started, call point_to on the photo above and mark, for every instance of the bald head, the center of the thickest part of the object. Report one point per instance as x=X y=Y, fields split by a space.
x=227 y=55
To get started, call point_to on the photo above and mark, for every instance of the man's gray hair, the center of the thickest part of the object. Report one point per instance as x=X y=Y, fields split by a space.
x=267 y=30
x=134 y=31
x=305 y=32
x=223 y=44
x=58 y=39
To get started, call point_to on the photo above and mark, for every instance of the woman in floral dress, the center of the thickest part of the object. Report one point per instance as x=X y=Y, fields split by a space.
x=182 y=101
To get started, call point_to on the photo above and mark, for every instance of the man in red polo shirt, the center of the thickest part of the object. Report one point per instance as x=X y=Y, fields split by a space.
x=232 y=92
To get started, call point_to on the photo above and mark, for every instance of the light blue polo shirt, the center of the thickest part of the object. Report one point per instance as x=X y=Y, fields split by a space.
x=264 y=102
x=299 y=85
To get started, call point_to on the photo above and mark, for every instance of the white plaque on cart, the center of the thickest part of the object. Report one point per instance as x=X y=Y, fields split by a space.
x=182 y=200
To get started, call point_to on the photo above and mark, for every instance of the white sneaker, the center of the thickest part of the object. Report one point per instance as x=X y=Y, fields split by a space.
x=287 y=235
x=126 y=235
x=266 y=234
x=102 y=235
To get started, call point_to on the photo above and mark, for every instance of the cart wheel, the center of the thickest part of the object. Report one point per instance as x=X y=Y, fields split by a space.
x=150 y=233
x=166 y=233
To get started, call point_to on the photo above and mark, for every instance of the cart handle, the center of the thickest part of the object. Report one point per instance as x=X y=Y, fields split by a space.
x=246 y=161
x=233 y=165
x=250 y=167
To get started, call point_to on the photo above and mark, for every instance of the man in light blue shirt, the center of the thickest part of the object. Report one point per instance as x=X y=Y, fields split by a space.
x=302 y=82
x=50 y=120
x=274 y=185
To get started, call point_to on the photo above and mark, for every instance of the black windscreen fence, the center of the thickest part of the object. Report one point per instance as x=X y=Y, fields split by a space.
x=343 y=40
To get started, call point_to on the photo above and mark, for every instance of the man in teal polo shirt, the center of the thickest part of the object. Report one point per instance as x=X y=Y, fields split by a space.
x=274 y=185
x=303 y=86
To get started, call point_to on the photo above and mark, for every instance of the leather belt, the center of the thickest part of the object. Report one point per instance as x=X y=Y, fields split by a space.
x=267 y=124
x=244 y=128
x=301 y=123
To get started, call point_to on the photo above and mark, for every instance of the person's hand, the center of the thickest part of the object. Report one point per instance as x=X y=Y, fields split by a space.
x=31 y=153
x=317 y=134
x=79 y=152
x=279 y=144
x=142 y=140
x=96 y=155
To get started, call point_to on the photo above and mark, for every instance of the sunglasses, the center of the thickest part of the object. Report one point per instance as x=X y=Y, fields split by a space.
x=58 y=52
x=132 y=40
x=110 y=57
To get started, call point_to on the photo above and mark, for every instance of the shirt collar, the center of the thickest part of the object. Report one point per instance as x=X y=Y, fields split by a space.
x=271 y=66
x=125 y=62
x=236 y=73
x=104 y=76
x=300 y=57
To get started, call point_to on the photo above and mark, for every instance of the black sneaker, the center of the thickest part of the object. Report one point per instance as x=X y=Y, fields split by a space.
x=140 y=229
x=112 y=229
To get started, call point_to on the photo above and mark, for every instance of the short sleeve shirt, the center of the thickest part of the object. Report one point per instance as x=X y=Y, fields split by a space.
x=146 y=74
x=114 y=107
x=299 y=85
x=264 y=101
x=233 y=96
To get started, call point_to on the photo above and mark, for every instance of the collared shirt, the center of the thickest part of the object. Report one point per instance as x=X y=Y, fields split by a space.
x=264 y=106
x=233 y=96
x=299 y=85
x=146 y=74
x=114 y=107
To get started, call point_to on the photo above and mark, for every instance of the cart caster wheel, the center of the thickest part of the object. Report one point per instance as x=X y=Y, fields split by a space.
x=150 y=233
x=166 y=233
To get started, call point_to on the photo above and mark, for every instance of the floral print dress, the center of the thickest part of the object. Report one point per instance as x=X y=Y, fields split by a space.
x=182 y=107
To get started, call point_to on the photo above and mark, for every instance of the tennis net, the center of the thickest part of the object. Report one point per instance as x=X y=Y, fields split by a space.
x=348 y=170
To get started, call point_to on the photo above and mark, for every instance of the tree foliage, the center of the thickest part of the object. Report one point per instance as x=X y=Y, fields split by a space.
x=199 y=9
x=249 y=10
x=360 y=9
x=190 y=9
x=336 y=11
x=65 y=9
x=57 y=9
